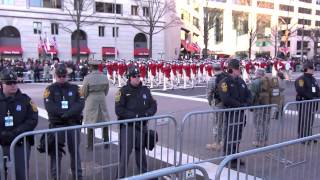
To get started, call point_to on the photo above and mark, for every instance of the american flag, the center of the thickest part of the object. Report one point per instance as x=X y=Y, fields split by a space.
x=53 y=42
x=40 y=44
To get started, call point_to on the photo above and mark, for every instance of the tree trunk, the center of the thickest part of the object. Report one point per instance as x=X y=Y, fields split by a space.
x=150 y=44
x=78 y=43
x=315 y=48
x=205 y=34
x=250 y=44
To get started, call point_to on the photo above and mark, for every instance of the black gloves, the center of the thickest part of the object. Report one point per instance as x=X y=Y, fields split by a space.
x=7 y=137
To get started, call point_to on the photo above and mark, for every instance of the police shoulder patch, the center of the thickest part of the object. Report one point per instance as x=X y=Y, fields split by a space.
x=34 y=106
x=118 y=95
x=46 y=93
x=301 y=82
x=224 y=87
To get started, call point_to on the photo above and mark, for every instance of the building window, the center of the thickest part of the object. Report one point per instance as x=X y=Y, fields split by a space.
x=263 y=4
x=304 y=32
x=37 y=27
x=242 y=2
x=317 y=12
x=78 y=3
x=318 y=2
x=45 y=3
x=284 y=20
x=283 y=7
x=240 y=22
x=115 y=31
x=196 y=22
x=304 y=21
x=306 y=1
x=145 y=11
x=283 y=44
x=134 y=10
x=317 y=23
x=304 y=10
x=7 y=2
x=305 y=45
x=101 y=31
x=54 y=28
x=108 y=8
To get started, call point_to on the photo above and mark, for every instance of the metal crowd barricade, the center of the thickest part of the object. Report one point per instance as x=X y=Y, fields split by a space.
x=188 y=171
x=235 y=129
x=103 y=161
x=259 y=166
x=2 y=162
x=301 y=118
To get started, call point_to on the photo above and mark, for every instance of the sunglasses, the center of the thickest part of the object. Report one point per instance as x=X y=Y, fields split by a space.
x=62 y=76
x=136 y=76
x=10 y=82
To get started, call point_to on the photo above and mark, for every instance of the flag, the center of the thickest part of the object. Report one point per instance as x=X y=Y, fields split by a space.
x=40 y=43
x=53 y=42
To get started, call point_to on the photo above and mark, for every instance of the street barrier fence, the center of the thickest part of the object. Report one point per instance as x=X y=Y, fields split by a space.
x=208 y=136
x=187 y=171
x=2 y=162
x=107 y=148
x=259 y=165
x=203 y=136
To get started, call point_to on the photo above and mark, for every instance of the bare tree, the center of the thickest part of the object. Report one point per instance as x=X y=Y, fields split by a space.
x=252 y=39
x=79 y=12
x=210 y=20
x=152 y=17
x=315 y=37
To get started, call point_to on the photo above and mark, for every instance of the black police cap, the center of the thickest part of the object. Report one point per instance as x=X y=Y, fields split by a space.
x=61 y=69
x=133 y=71
x=234 y=64
x=8 y=75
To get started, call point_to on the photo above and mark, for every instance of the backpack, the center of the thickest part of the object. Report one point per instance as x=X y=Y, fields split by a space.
x=269 y=91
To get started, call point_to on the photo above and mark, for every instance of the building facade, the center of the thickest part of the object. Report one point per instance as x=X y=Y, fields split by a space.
x=45 y=28
x=275 y=27
x=184 y=39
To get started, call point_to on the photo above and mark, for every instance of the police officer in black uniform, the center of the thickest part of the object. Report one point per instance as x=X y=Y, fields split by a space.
x=133 y=101
x=234 y=93
x=307 y=88
x=64 y=104
x=18 y=115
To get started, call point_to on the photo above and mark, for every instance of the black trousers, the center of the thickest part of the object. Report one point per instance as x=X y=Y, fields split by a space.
x=306 y=118
x=234 y=123
x=132 y=137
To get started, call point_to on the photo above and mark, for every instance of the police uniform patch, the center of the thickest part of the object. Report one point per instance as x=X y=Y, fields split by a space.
x=34 y=106
x=117 y=97
x=46 y=93
x=301 y=82
x=224 y=87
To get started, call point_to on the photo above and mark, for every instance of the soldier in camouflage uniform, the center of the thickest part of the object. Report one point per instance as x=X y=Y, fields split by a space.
x=215 y=102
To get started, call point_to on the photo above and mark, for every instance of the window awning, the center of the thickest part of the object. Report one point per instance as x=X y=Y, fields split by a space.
x=10 y=50
x=141 y=52
x=83 y=51
x=109 y=51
